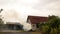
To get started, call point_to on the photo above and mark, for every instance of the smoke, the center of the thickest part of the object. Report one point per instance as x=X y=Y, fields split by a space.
x=12 y=16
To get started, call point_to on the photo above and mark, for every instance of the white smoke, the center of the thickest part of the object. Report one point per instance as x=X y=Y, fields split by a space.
x=27 y=27
x=12 y=16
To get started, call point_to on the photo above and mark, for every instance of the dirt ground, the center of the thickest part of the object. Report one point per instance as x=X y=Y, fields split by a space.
x=18 y=32
x=35 y=32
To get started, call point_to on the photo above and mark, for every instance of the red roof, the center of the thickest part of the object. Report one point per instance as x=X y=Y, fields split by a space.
x=37 y=19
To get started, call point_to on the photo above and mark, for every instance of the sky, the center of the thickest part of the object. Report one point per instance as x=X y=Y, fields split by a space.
x=23 y=8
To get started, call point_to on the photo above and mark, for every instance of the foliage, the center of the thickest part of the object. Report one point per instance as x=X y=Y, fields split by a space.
x=52 y=26
x=1 y=24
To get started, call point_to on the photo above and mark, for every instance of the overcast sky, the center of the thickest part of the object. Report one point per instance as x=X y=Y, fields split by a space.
x=32 y=7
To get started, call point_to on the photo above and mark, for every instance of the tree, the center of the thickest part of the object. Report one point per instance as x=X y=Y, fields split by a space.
x=1 y=21
x=52 y=26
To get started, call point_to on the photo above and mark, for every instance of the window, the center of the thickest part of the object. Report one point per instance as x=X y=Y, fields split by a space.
x=37 y=25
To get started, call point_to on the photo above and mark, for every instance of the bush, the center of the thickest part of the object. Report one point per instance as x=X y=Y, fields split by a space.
x=52 y=26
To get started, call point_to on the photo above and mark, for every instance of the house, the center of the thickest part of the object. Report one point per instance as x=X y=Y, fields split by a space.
x=35 y=20
x=11 y=26
x=14 y=26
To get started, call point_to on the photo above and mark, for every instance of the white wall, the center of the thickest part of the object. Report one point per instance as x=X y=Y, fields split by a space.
x=34 y=27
